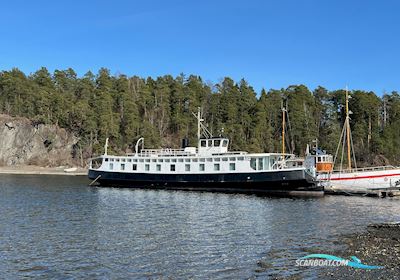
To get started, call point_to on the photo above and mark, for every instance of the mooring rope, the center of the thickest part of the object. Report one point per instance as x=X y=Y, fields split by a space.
x=94 y=181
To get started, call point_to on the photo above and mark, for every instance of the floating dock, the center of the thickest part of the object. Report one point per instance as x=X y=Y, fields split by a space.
x=358 y=191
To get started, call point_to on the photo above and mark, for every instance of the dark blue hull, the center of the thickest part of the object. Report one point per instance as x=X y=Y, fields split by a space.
x=294 y=182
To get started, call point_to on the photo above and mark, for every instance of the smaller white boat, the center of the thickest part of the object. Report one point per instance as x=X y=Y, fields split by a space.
x=350 y=178
x=369 y=178
x=69 y=170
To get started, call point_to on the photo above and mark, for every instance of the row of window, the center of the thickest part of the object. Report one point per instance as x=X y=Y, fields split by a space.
x=214 y=143
x=324 y=158
x=172 y=167
x=174 y=159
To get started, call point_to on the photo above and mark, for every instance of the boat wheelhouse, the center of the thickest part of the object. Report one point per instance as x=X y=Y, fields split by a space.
x=208 y=167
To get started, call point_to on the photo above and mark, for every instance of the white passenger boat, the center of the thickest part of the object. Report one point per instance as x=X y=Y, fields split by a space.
x=208 y=167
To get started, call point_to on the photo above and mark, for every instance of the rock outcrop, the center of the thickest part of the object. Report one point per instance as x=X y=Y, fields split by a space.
x=23 y=142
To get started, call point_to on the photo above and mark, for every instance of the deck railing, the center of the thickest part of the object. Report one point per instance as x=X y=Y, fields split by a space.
x=164 y=152
x=373 y=168
x=230 y=153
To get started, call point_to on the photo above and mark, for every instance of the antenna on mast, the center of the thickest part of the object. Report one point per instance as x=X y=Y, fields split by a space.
x=200 y=126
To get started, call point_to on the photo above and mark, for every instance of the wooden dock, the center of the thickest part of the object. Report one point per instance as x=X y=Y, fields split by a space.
x=375 y=192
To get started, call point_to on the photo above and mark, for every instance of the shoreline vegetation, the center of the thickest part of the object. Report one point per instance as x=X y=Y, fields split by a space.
x=124 y=108
x=39 y=170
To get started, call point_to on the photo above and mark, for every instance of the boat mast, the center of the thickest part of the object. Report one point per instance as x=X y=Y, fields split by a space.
x=199 y=120
x=283 y=129
x=348 y=129
x=200 y=127
x=106 y=147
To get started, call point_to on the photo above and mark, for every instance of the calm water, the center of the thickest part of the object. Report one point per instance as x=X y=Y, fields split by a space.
x=57 y=227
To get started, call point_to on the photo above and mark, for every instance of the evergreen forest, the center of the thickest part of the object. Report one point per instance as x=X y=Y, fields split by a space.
x=122 y=108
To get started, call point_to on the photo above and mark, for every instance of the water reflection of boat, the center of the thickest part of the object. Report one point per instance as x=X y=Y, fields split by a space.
x=208 y=167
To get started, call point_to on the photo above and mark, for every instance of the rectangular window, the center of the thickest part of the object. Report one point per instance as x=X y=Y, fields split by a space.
x=173 y=160
x=106 y=159
x=216 y=166
x=141 y=160
x=194 y=160
x=134 y=160
x=209 y=159
x=172 y=167
x=158 y=167
x=117 y=159
x=134 y=167
x=225 y=143
x=160 y=160
x=147 y=167
x=240 y=158
x=203 y=143
x=122 y=166
x=129 y=160
x=232 y=166
x=167 y=160
x=180 y=159
x=153 y=160
x=260 y=164
x=201 y=167
x=217 y=143
x=111 y=159
x=232 y=159
x=217 y=159
x=187 y=159
x=148 y=160
x=111 y=166
x=187 y=167
x=210 y=143
x=123 y=160
x=225 y=159
x=253 y=163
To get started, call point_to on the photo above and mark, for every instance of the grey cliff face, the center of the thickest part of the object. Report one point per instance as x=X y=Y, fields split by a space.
x=25 y=142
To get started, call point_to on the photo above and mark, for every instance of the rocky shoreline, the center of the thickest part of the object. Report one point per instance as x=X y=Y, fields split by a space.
x=38 y=170
x=379 y=245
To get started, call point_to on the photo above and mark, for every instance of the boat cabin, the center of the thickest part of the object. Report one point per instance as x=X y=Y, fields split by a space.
x=211 y=146
x=324 y=163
